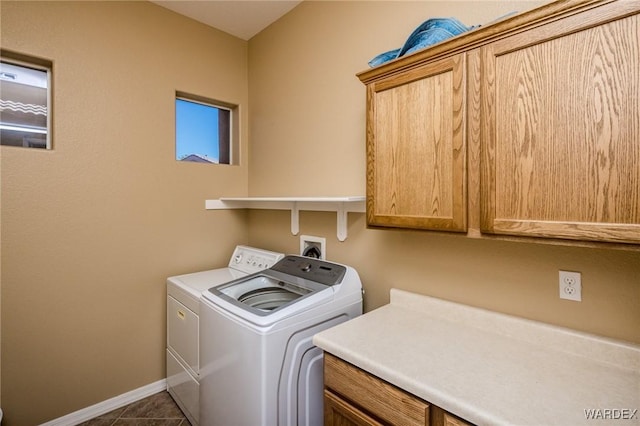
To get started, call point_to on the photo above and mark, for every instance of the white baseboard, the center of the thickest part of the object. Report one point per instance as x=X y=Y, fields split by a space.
x=104 y=407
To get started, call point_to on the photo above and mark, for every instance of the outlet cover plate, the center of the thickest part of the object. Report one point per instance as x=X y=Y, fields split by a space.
x=570 y=285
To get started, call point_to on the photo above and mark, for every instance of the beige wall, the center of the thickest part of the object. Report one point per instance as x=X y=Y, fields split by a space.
x=308 y=135
x=91 y=229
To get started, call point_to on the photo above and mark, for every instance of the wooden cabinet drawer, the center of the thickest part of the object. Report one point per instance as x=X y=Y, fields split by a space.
x=390 y=404
x=338 y=412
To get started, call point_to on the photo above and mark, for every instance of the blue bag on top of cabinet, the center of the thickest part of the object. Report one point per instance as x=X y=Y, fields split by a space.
x=430 y=32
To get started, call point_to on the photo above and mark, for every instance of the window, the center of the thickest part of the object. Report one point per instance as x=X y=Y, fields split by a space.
x=25 y=115
x=204 y=130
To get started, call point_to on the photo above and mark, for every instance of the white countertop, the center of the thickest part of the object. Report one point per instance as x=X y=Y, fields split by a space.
x=490 y=368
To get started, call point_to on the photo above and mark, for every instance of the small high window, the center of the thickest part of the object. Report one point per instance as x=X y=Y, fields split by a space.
x=25 y=113
x=205 y=130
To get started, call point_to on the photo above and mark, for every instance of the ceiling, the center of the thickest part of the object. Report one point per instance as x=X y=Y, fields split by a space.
x=241 y=18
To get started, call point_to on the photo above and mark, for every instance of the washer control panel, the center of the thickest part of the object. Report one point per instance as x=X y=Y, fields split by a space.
x=320 y=271
x=250 y=259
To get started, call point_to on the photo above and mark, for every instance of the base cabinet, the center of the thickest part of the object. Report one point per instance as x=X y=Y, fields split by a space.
x=353 y=397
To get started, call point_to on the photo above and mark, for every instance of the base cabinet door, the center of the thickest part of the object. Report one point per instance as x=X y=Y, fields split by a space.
x=561 y=128
x=440 y=417
x=338 y=412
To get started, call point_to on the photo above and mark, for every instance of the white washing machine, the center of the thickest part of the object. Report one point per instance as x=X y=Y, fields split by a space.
x=259 y=364
x=183 y=307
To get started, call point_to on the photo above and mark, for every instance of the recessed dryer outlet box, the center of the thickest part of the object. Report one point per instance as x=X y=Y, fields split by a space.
x=313 y=246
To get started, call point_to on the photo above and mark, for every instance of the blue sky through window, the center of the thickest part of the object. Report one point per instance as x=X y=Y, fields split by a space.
x=196 y=130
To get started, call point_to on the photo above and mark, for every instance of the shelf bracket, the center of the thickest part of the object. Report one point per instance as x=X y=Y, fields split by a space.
x=295 y=218
x=341 y=224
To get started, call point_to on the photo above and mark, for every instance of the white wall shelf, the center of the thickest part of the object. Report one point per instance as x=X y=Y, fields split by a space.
x=341 y=205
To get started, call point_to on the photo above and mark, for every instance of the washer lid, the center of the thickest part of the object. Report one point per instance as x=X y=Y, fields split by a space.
x=291 y=280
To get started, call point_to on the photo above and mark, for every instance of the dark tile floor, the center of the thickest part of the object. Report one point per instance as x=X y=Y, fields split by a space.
x=155 y=410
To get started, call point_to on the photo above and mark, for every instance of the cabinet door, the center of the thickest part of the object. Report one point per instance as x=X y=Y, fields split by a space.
x=416 y=148
x=338 y=412
x=440 y=417
x=561 y=128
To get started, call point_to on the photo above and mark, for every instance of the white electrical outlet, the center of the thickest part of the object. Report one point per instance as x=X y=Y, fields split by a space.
x=313 y=246
x=570 y=285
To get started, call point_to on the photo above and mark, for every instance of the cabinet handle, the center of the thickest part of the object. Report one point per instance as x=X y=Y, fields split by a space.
x=180 y=314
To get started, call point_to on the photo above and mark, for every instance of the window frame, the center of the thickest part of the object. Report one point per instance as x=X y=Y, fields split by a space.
x=26 y=61
x=232 y=109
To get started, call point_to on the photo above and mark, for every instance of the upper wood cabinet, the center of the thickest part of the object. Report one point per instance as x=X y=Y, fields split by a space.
x=560 y=124
x=529 y=127
x=416 y=148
